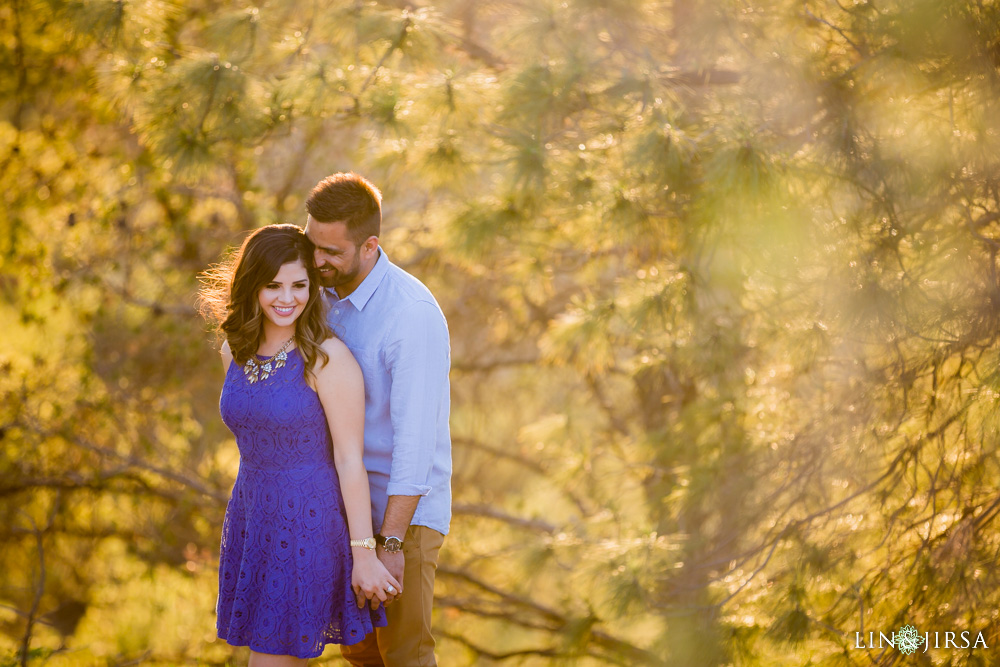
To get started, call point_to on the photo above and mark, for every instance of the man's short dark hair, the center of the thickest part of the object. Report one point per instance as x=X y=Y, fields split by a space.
x=351 y=199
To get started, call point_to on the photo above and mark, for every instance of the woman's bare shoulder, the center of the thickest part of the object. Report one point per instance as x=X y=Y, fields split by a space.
x=334 y=345
x=226 y=353
x=340 y=355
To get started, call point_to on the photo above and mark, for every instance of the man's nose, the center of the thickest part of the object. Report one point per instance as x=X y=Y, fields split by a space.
x=317 y=257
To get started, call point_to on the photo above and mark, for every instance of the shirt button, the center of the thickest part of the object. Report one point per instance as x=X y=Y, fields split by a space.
x=336 y=312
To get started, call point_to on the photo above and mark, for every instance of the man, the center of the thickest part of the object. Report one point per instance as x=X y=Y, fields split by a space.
x=398 y=334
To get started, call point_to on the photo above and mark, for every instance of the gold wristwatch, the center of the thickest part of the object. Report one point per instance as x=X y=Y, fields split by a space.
x=367 y=543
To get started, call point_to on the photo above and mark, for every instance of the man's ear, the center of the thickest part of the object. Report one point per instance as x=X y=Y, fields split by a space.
x=370 y=247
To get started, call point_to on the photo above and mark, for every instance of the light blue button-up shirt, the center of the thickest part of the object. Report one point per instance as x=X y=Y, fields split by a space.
x=399 y=337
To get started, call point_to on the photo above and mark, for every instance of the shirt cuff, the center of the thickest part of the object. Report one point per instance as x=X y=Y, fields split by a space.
x=404 y=489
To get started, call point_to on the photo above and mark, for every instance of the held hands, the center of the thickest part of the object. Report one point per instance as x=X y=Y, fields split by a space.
x=393 y=562
x=372 y=582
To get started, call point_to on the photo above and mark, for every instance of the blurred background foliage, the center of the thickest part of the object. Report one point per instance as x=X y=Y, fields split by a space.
x=721 y=278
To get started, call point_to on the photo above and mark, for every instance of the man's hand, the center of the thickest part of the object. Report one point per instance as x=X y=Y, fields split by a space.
x=394 y=564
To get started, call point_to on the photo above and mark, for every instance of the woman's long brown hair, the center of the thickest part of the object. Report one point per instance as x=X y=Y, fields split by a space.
x=229 y=293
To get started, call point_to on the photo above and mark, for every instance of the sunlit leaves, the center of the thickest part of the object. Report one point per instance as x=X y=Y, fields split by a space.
x=740 y=169
x=237 y=33
x=666 y=154
x=201 y=102
x=481 y=228
x=585 y=337
x=127 y=26
x=720 y=279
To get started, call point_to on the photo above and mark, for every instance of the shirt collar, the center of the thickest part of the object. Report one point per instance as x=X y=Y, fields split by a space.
x=359 y=297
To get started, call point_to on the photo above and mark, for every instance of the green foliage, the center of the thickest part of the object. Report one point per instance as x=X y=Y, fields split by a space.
x=721 y=280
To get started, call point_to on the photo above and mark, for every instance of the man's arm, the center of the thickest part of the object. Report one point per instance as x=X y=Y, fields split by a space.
x=398 y=514
x=418 y=359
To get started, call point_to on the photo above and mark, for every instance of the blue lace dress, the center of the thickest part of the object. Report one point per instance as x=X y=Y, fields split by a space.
x=285 y=563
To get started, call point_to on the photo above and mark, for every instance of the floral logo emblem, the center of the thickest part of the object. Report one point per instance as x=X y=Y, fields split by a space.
x=908 y=639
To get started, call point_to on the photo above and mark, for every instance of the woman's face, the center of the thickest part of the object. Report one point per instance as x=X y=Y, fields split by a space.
x=285 y=297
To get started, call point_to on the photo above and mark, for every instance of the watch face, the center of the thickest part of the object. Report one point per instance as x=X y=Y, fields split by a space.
x=393 y=544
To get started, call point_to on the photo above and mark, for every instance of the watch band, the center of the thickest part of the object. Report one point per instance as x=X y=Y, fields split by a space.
x=390 y=543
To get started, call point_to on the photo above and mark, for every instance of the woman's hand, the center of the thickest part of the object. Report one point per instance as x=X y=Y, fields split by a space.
x=371 y=581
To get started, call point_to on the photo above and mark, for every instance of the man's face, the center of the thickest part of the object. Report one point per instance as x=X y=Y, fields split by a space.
x=336 y=256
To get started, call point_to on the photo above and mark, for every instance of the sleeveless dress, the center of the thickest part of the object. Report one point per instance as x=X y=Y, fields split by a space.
x=285 y=563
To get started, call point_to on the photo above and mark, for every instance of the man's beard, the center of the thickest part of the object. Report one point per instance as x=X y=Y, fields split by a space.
x=336 y=278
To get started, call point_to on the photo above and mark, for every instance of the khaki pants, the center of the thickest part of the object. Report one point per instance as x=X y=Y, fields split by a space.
x=407 y=640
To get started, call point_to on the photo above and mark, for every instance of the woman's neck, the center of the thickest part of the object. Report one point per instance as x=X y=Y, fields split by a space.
x=273 y=338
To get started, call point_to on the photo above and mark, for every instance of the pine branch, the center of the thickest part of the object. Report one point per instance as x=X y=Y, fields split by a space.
x=39 y=590
x=135 y=462
x=493 y=364
x=20 y=67
x=488 y=511
x=493 y=655
x=97 y=483
x=83 y=534
x=557 y=620
x=479 y=52
x=498 y=452
x=616 y=421
x=216 y=75
x=702 y=77
x=396 y=44
x=156 y=307
x=840 y=32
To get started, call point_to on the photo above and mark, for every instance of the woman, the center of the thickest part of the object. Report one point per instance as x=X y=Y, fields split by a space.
x=289 y=583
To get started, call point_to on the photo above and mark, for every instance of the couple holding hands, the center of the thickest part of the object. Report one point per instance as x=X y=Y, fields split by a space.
x=337 y=391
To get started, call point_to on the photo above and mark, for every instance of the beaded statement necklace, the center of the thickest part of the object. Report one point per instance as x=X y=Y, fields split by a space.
x=256 y=370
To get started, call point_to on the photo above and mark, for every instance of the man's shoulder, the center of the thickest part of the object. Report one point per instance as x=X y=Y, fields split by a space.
x=407 y=289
